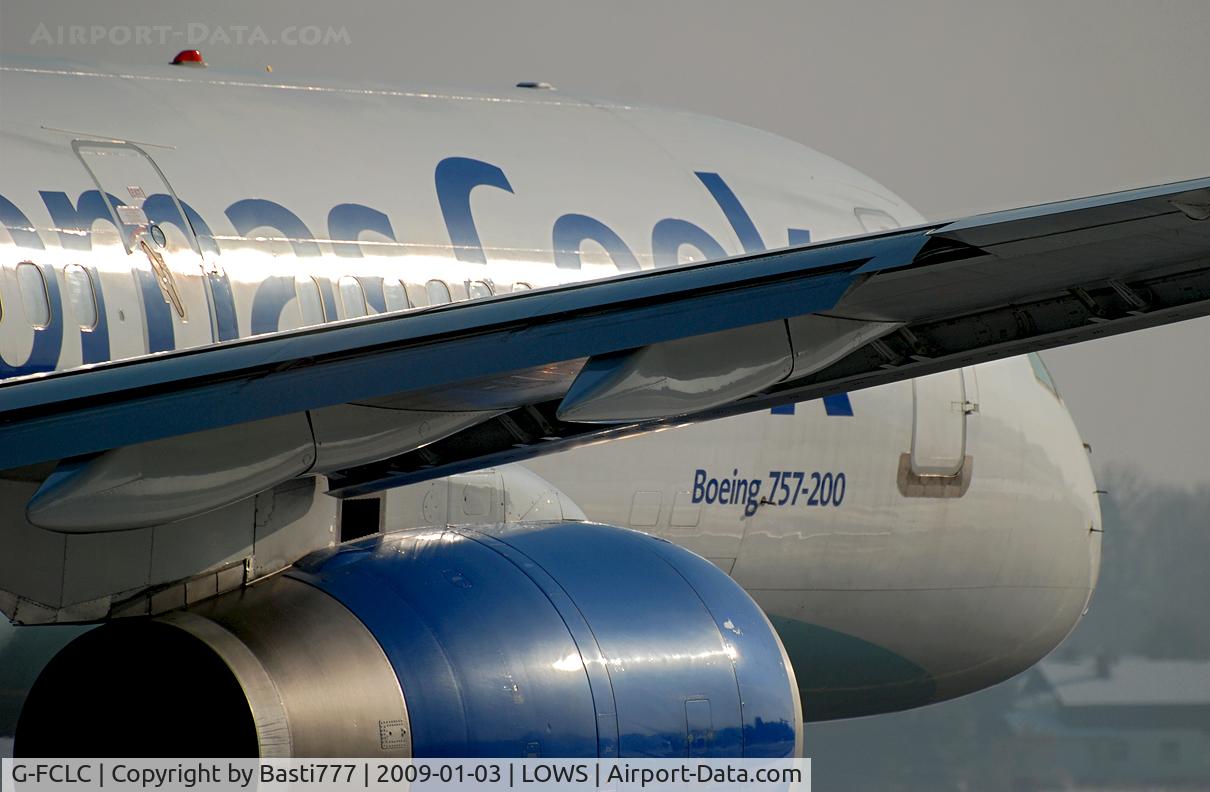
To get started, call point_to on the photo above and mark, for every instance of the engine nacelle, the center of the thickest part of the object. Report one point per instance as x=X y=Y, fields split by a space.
x=556 y=639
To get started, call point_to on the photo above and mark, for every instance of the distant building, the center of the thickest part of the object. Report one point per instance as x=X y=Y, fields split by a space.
x=1108 y=722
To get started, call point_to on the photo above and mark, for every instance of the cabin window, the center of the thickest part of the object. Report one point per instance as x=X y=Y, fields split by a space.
x=33 y=294
x=353 y=297
x=80 y=296
x=418 y=296
x=439 y=293
x=478 y=289
x=395 y=295
x=310 y=305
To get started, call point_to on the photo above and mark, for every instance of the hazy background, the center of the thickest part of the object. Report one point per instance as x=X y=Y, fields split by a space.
x=958 y=107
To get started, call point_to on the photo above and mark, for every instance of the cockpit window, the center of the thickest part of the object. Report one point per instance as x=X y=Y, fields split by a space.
x=1042 y=373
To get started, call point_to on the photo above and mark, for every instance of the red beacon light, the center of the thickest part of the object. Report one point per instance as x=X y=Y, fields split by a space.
x=189 y=58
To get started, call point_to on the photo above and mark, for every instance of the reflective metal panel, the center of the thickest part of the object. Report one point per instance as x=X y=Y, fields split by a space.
x=566 y=639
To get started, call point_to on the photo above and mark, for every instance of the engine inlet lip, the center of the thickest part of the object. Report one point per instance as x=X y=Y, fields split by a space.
x=264 y=700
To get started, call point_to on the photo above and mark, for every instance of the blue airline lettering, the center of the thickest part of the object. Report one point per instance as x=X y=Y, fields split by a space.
x=670 y=233
x=222 y=305
x=836 y=404
x=272 y=295
x=455 y=177
x=201 y=230
x=346 y=221
x=799 y=236
x=18 y=226
x=160 y=335
x=275 y=292
x=74 y=222
x=223 y=316
x=734 y=211
x=161 y=209
x=249 y=214
x=572 y=230
x=454 y=180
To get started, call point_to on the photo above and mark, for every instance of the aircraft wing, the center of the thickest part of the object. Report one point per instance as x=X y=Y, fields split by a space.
x=552 y=368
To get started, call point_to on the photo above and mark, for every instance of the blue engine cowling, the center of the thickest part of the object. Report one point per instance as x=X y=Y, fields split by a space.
x=555 y=640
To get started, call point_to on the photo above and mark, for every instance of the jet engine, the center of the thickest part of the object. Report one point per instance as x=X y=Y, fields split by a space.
x=561 y=639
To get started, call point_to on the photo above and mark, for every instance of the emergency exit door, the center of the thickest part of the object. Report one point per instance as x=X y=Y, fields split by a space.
x=939 y=427
x=165 y=256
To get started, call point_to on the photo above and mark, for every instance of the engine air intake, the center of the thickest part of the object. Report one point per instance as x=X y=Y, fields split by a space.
x=555 y=639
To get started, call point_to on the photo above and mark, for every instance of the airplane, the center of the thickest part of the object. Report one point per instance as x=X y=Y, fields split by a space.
x=286 y=366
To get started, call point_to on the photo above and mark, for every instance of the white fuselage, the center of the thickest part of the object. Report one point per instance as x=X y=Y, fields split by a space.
x=957 y=592
x=287 y=183
x=312 y=204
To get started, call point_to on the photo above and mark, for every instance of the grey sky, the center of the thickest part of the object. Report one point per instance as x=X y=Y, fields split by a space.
x=957 y=105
